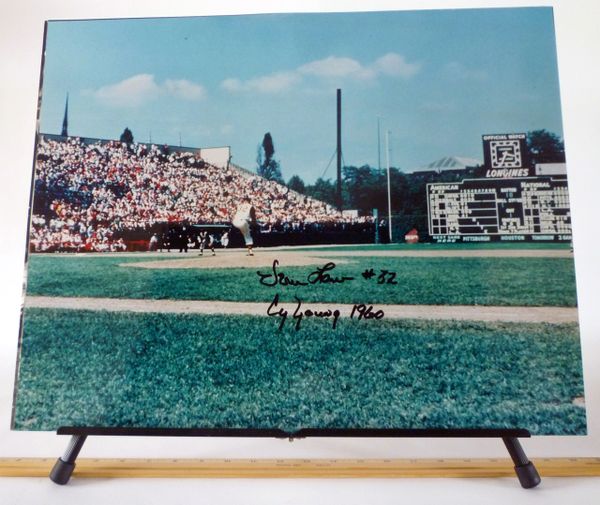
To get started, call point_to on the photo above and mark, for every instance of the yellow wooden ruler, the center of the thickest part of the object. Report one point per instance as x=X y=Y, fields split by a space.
x=299 y=468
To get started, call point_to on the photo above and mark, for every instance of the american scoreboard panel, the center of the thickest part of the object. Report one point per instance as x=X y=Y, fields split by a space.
x=481 y=210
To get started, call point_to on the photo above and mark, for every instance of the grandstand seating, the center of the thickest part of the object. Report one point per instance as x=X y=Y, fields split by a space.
x=106 y=195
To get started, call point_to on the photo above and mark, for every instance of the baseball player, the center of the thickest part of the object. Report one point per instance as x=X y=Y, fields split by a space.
x=212 y=241
x=225 y=239
x=244 y=217
x=202 y=238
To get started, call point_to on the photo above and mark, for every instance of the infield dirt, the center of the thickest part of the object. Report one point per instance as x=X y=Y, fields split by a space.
x=236 y=258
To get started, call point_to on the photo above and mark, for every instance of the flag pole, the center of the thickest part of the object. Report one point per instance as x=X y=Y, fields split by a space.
x=387 y=153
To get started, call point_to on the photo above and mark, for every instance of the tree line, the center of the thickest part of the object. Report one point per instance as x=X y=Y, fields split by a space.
x=364 y=188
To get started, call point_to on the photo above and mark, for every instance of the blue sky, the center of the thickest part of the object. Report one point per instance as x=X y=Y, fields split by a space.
x=438 y=80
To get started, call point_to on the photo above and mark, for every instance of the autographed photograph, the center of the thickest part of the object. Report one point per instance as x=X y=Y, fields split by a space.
x=301 y=221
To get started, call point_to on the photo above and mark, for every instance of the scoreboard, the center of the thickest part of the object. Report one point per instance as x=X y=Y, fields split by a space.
x=482 y=210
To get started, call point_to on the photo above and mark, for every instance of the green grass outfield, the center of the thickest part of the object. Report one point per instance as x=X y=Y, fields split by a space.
x=84 y=368
x=421 y=281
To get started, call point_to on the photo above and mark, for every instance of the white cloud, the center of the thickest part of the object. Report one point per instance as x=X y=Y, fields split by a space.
x=332 y=67
x=142 y=88
x=130 y=92
x=273 y=83
x=232 y=84
x=394 y=64
x=185 y=89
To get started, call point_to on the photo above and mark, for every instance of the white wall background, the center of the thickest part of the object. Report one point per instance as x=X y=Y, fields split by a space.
x=21 y=37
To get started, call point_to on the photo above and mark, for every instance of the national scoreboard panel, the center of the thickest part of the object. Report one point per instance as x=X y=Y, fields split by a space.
x=481 y=210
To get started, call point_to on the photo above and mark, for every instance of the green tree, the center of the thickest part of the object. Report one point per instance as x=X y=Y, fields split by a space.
x=268 y=147
x=297 y=184
x=322 y=189
x=365 y=188
x=362 y=188
x=545 y=147
x=126 y=136
x=267 y=166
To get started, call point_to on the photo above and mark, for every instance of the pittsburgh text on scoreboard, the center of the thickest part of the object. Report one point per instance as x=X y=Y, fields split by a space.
x=481 y=210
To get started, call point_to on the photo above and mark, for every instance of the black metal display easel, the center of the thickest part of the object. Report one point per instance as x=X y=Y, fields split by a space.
x=525 y=469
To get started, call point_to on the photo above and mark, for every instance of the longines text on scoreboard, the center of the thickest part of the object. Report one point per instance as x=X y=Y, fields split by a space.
x=481 y=210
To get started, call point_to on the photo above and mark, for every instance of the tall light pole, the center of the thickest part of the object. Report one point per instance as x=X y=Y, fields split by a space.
x=338 y=192
x=387 y=155
x=378 y=147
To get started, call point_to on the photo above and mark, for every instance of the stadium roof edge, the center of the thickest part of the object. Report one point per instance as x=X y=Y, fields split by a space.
x=447 y=163
x=54 y=136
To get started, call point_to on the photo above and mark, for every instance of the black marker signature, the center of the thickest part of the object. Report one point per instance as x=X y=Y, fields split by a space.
x=322 y=275
x=278 y=278
x=299 y=313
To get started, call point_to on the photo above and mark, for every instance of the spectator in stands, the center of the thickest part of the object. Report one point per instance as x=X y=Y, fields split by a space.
x=89 y=196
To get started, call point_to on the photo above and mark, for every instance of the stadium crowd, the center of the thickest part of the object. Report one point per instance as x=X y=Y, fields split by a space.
x=88 y=196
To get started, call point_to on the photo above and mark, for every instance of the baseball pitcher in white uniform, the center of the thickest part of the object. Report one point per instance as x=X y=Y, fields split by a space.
x=244 y=217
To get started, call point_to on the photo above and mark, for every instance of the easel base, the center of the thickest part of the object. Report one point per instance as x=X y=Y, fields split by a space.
x=525 y=470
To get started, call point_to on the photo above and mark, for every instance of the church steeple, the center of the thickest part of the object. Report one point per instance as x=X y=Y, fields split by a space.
x=65 y=125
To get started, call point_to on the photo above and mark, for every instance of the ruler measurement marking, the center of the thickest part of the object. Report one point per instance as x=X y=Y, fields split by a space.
x=298 y=468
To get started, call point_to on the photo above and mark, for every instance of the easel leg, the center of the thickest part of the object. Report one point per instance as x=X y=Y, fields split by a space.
x=64 y=466
x=525 y=470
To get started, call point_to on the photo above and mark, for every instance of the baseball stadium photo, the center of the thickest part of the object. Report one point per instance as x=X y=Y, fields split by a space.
x=287 y=222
